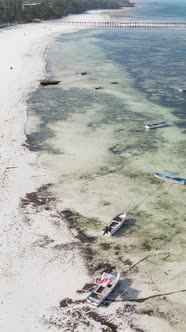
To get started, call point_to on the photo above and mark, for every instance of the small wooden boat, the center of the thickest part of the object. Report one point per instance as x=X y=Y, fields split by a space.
x=113 y=226
x=49 y=82
x=182 y=90
x=156 y=125
x=105 y=286
x=166 y=177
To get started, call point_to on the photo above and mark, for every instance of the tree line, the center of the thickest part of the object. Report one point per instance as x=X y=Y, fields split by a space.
x=26 y=11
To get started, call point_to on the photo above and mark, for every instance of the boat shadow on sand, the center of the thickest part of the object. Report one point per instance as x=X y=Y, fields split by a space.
x=123 y=292
x=129 y=223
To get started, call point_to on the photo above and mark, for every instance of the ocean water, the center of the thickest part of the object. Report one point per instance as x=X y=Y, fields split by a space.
x=162 y=9
x=92 y=132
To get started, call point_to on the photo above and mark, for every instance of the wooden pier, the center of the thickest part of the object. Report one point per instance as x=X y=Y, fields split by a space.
x=123 y=24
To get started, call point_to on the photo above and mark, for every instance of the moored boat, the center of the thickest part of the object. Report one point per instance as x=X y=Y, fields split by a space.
x=174 y=179
x=115 y=224
x=156 y=125
x=49 y=82
x=105 y=285
x=182 y=90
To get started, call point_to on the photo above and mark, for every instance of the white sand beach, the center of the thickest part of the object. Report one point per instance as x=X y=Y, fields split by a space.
x=31 y=280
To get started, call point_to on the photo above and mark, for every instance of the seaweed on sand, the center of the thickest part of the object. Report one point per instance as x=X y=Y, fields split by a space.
x=38 y=198
x=75 y=314
x=36 y=141
x=78 y=222
x=96 y=317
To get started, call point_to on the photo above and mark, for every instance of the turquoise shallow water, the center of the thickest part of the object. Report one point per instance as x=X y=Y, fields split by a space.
x=103 y=159
x=162 y=9
x=146 y=64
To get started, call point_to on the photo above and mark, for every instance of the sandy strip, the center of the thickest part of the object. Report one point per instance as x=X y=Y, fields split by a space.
x=31 y=279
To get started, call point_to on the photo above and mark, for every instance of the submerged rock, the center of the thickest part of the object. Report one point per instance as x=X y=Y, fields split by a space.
x=114 y=82
x=98 y=87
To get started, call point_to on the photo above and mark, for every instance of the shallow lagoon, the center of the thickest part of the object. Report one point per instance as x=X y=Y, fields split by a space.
x=95 y=141
x=103 y=159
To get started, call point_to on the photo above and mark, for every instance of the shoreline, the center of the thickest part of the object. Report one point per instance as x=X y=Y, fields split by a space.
x=26 y=279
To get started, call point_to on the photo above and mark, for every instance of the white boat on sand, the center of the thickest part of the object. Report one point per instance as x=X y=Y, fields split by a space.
x=105 y=286
x=156 y=125
x=113 y=226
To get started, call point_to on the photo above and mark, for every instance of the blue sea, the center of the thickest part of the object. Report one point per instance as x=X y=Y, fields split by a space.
x=92 y=134
x=163 y=9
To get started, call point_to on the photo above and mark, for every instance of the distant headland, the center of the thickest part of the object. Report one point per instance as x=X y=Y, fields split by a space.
x=22 y=11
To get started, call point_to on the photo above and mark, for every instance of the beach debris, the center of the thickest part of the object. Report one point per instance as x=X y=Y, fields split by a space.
x=114 y=83
x=43 y=241
x=86 y=288
x=67 y=302
x=38 y=198
x=11 y=68
x=10 y=167
x=84 y=73
x=143 y=299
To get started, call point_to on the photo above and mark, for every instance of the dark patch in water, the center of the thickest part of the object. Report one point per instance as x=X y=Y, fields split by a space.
x=84 y=238
x=35 y=141
x=80 y=223
x=105 y=245
x=58 y=104
x=181 y=124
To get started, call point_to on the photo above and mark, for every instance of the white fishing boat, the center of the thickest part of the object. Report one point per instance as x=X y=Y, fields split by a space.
x=105 y=286
x=156 y=125
x=182 y=90
x=115 y=224
x=170 y=178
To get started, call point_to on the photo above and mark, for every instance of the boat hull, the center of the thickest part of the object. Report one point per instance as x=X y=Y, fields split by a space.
x=171 y=179
x=116 y=229
x=97 y=303
x=49 y=82
x=156 y=125
x=182 y=90
x=118 y=225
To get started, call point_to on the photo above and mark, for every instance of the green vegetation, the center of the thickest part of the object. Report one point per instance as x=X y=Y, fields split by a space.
x=27 y=11
x=79 y=222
